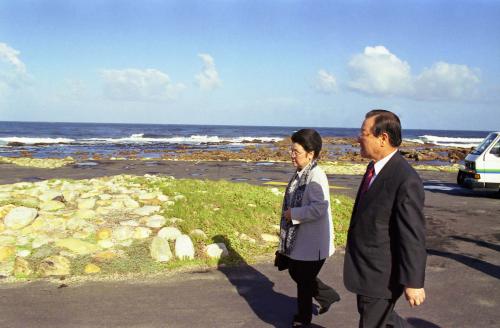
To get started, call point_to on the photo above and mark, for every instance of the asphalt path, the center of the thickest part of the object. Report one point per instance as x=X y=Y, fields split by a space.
x=462 y=275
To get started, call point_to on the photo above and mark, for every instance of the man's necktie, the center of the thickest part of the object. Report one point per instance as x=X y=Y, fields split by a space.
x=370 y=171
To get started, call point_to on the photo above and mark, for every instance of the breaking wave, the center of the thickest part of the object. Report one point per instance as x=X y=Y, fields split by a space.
x=447 y=141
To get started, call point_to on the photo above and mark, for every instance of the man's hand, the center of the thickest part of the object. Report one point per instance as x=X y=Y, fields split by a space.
x=415 y=296
x=288 y=215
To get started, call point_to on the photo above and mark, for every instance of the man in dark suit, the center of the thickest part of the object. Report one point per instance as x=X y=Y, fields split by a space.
x=385 y=254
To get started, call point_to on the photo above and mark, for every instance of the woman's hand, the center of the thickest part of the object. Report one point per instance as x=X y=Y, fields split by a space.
x=288 y=215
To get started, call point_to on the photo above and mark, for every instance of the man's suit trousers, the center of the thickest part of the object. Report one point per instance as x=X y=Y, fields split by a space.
x=379 y=313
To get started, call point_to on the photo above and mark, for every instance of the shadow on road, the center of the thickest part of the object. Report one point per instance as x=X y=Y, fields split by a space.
x=480 y=265
x=270 y=306
x=420 y=323
x=478 y=242
x=453 y=189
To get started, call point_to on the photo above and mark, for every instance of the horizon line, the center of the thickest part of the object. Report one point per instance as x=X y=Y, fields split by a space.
x=242 y=125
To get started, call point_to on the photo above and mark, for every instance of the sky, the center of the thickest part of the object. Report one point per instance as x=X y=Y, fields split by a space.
x=280 y=63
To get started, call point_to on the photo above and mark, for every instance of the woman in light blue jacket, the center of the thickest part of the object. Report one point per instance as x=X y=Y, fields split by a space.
x=306 y=235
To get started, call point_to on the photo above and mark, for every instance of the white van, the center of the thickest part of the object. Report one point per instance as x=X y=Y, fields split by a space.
x=482 y=165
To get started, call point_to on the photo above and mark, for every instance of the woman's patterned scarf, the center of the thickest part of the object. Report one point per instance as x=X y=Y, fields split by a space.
x=293 y=198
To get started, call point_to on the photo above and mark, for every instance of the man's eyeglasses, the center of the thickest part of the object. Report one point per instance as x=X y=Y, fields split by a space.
x=364 y=134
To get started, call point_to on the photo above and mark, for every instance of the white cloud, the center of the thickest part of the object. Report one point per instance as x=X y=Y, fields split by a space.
x=325 y=82
x=208 y=79
x=446 y=81
x=11 y=56
x=140 y=85
x=379 y=72
x=13 y=73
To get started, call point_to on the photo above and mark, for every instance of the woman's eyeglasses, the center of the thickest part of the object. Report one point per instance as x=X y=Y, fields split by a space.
x=295 y=153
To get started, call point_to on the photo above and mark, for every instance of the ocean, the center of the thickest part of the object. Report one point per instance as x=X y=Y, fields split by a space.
x=58 y=140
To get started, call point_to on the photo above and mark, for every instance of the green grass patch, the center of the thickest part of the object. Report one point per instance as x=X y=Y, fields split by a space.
x=225 y=210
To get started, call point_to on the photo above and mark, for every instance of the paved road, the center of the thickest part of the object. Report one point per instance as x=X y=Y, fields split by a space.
x=463 y=271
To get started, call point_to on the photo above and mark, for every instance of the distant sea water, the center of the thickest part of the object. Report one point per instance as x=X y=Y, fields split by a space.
x=57 y=140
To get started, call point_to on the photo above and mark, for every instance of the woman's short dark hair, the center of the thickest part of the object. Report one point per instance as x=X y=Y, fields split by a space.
x=309 y=139
x=388 y=122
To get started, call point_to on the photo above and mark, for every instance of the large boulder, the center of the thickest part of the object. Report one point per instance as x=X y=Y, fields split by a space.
x=146 y=210
x=49 y=195
x=40 y=240
x=52 y=206
x=91 y=268
x=184 y=248
x=4 y=210
x=105 y=196
x=160 y=250
x=105 y=256
x=169 y=233
x=48 y=223
x=86 y=204
x=122 y=233
x=141 y=233
x=23 y=252
x=179 y=197
x=130 y=223
x=216 y=250
x=245 y=237
x=130 y=203
x=104 y=233
x=198 y=234
x=22 y=267
x=19 y=217
x=70 y=195
x=147 y=196
x=77 y=246
x=55 y=265
x=6 y=253
x=270 y=238
x=6 y=268
x=155 y=221
x=85 y=214
x=29 y=201
x=106 y=243
x=76 y=223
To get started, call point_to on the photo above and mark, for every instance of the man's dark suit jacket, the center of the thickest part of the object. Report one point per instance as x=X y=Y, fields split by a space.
x=385 y=249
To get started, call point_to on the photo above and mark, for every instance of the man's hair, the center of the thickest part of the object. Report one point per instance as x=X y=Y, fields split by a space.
x=388 y=122
x=309 y=139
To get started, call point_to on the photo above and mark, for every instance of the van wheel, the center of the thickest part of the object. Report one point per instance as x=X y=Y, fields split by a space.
x=460 y=178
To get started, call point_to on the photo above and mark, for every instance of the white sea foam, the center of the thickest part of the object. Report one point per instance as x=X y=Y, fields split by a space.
x=194 y=139
x=447 y=141
x=35 y=140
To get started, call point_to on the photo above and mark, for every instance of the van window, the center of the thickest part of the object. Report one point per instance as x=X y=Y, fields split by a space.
x=495 y=150
x=485 y=144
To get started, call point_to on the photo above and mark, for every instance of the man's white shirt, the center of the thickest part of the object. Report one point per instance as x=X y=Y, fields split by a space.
x=379 y=165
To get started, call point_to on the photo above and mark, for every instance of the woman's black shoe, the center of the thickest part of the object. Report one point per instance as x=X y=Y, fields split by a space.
x=297 y=322
x=324 y=309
